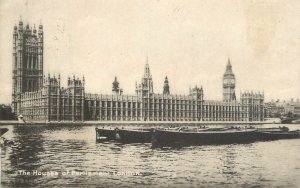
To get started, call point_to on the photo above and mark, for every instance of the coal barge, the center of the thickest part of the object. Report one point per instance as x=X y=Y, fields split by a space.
x=202 y=137
x=195 y=136
x=221 y=136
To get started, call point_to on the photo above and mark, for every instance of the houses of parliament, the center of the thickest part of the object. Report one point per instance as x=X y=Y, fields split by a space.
x=40 y=97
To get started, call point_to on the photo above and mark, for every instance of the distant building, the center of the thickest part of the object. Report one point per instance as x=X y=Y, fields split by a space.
x=37 y=97
x=281 y=108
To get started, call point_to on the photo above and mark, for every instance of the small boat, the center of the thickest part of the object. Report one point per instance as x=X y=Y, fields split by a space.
x=202 y=137
x=266 y=134
x=3 y=131
x=287 y=120
x=273 y=129
x=134 y=135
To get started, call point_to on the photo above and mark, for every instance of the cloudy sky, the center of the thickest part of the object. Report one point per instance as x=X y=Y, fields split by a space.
x=189 y=41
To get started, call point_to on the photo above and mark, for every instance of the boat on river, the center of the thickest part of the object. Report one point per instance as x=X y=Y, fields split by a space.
x=105 y=134
x=203 y=137
x=195 y=136
x=220 y=136
x=266 y=134
x=134 y=135
x=124 y=135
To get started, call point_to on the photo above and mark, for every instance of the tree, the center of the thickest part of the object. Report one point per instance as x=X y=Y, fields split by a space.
x=6 y=113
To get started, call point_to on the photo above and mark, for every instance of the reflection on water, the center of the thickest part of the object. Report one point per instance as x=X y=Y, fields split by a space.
x=69 y=155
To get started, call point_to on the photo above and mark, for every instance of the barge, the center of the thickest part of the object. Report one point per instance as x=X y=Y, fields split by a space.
x=124 y=135
x=194 y=136
x=202 y=137
x=221 y=136
x=105 y=134
x=134 y=135
x=267 y=134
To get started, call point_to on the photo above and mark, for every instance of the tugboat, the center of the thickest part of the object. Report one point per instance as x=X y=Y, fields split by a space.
x=203 y=137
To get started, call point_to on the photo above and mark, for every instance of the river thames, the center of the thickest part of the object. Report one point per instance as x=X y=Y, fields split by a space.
x=69 y=156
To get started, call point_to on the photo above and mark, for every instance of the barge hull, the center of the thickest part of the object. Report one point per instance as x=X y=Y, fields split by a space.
x=109 y=134
x=133 y=136
x=203 y=138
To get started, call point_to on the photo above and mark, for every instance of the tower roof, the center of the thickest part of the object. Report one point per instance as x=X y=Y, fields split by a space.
x=20 y=21
x=147 y=69
x=228 y=69
x=166 y=80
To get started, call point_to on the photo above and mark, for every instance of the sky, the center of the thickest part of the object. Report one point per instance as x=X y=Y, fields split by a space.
x=188 y=41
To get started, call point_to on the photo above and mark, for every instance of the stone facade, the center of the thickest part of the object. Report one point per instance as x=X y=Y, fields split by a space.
x=27 y=65
x=53 y=102
x=42 y=98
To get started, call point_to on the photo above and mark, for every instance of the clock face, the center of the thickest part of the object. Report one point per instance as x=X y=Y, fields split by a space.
x=228 y=81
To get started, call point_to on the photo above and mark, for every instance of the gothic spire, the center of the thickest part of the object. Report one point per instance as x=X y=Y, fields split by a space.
x=166 y=87
x=147 y=69
x=228 y=69
x=228 y=64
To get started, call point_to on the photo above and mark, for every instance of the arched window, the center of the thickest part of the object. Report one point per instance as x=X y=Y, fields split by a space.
x=34 y=63
x=29 y=62
x=25 y=61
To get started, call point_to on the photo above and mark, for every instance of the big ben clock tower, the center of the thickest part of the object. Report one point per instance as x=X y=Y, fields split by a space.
x=229 y=84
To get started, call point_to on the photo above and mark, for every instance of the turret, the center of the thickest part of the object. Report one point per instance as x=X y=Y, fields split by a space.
x=27 y=30
x=20 y=25
x=116 y=88
x=147 y=69
x=15 y=30
x=34 y=30
x=40 y=36
x=196 y=92
x=145 y=88
x=166 y=87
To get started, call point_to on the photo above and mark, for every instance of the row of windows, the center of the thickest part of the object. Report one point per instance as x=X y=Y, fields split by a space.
x=156 y=101
x=133 y=113
x=30 y=62
x=137 y=105
x=31 y=48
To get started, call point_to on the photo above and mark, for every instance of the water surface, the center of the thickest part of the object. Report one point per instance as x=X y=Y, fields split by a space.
x=69 y=155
